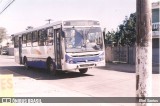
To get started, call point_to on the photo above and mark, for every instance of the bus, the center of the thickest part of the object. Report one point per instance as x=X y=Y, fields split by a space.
x=61 y=46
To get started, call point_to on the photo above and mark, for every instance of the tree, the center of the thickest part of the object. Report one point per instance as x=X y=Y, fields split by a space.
x=2 y=33
x=126 y=33
x=109 y=37
x=112 y=38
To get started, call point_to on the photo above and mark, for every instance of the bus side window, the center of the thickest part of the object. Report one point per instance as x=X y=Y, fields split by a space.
x=49 y=40
x=16 y=42
x=41 y=37
x=29 y=38
x=35 y=38
x=24 y=40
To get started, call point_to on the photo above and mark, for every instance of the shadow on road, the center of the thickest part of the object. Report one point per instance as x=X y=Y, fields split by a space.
x=38 y=74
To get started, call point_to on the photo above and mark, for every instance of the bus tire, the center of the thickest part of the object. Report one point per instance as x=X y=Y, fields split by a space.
x=51 y=67
x=82 y=71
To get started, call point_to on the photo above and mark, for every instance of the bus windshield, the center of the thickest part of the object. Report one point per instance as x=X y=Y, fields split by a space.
x=83 y=39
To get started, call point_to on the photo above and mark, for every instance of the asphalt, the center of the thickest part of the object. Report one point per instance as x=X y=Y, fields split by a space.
x=42 y=89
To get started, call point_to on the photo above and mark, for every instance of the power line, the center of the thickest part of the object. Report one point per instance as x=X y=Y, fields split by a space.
x=6 y=6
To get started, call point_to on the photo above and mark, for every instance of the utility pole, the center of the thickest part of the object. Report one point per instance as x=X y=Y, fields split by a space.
x=29 y=27
x=144 y=51
x=49 y=20
x=104 y=35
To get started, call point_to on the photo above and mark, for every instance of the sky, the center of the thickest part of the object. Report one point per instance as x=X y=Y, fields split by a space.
x=23 y=13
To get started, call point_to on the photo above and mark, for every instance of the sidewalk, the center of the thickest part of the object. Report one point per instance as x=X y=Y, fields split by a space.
x=6 y=56
x=128 y=68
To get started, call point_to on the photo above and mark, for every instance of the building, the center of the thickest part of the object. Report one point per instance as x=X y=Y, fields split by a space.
x=156 y=32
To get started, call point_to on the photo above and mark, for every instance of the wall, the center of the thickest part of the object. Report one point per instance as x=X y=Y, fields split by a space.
x=10 y=51
x=128 y=55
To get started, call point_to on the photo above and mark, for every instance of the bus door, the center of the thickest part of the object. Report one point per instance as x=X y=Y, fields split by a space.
x=20 y=50
x=57 y=48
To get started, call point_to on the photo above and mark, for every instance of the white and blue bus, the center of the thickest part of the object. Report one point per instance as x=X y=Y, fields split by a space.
x=63 y=45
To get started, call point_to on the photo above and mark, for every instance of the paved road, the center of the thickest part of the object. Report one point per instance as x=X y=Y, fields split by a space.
x=110 y=81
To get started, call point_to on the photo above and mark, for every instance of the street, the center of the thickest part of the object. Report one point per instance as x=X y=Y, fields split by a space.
x=110 y=81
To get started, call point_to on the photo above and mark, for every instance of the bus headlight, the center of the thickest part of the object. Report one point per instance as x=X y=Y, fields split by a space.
x=69 y=59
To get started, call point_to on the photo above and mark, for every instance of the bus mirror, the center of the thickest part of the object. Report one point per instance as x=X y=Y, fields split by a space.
x=62 y=34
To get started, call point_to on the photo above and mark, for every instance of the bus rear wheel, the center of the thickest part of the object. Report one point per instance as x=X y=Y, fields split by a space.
x=82 y=71
x=51 y=68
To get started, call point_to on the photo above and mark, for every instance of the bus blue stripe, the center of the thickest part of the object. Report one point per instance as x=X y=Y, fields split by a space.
x=37 y=64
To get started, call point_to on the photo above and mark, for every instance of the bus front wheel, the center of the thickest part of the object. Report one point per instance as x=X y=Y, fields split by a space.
x=82 y=71
x=51 y=68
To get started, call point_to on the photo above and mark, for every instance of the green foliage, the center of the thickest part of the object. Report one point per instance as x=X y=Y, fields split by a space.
x=126 y=33
x=2 y=33
x=109 y=37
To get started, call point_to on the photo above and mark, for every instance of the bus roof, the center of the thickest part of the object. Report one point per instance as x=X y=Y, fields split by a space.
x=38 y=28
x=64 y=23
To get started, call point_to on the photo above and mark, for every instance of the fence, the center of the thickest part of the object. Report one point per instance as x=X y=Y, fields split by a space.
x=127 y=54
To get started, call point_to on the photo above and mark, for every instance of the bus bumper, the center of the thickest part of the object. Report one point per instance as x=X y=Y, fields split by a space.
x=68 y=66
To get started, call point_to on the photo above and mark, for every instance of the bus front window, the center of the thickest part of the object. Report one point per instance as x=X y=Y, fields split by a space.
x=83 y=39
